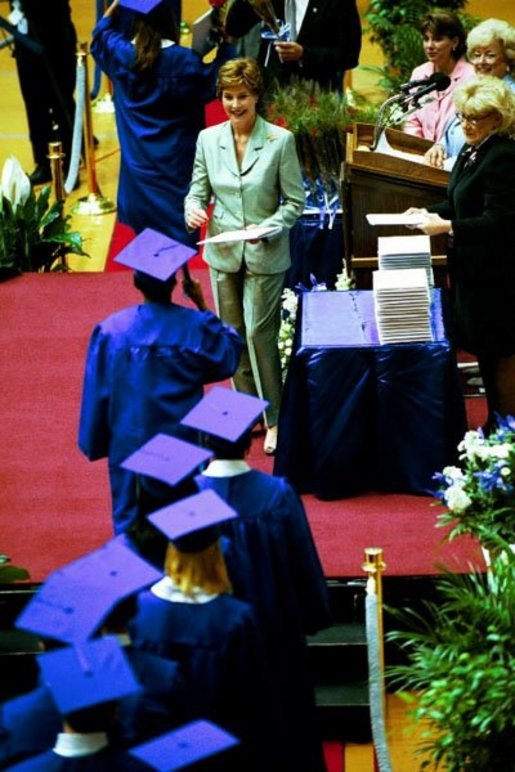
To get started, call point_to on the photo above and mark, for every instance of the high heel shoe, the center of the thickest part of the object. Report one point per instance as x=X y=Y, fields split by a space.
x=270 y=443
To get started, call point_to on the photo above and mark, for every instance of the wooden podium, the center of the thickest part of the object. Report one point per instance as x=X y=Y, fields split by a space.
x=377 y=182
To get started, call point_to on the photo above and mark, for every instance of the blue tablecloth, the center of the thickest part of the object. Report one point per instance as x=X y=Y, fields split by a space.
x=361 y=416
x=316 y=247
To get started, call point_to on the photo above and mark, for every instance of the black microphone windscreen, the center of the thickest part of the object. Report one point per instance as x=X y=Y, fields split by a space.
x=441 y=80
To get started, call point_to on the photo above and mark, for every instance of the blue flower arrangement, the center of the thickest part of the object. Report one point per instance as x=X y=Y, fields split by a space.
x=480 y=494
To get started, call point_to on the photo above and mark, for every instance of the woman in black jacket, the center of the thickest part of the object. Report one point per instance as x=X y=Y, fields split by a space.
x=478 y=214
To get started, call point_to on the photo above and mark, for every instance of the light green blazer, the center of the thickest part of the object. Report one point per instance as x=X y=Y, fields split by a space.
x=267 y=190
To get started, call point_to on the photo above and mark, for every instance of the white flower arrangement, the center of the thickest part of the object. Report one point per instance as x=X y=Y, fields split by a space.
x=289 y=306
x=480 y=495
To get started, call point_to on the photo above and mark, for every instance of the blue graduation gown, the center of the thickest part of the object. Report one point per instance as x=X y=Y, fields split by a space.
x=145 y=369
x=274 y=566
x=218 y=646
x=158 y=117
x=29 y=724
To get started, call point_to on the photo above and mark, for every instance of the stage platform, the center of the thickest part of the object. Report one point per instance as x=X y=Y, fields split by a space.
x=55 y=504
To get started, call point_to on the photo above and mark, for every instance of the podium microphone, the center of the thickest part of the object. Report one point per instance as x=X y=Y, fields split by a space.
x=437 y=82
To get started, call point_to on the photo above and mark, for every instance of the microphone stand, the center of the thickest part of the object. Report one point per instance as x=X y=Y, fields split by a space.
x=407 y=102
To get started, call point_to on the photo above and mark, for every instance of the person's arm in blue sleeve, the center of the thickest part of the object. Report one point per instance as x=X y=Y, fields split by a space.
x=94 y=433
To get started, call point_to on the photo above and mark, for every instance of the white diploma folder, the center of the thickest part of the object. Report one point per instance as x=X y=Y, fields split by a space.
x=395 y=219
x=247 y=234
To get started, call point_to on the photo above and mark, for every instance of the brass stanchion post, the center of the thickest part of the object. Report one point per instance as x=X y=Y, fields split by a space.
x=94 y=202
x=374 y=567
x=56 y=155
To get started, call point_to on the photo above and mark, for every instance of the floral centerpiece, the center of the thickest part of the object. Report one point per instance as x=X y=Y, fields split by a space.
x=480 y=494
x=34 y=234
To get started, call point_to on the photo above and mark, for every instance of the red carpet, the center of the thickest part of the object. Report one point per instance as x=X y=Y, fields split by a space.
x=55 y=504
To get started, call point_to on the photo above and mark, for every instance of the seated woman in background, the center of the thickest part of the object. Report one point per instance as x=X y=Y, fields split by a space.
x=491 y=50
x=478 y=214
x=444 y=46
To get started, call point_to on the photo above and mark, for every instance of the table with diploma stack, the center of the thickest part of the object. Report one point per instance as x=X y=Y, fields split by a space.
x=360 y=416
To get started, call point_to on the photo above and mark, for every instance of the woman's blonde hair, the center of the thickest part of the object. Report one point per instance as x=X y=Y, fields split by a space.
x=204 y=570
x=490 y=31
x=243 y=71
x=479 y=96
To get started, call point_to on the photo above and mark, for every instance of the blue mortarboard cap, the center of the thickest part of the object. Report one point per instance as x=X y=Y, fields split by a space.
x=225 y=413
x=155 y=254
x=87 y=674
x=142 y=6
x=192 y=523
x=75 y=599
x=166 y=458
x=182 y=747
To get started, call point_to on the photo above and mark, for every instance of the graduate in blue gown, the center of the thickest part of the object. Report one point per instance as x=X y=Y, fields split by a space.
x=272 y=562
x=191 y=617
x=159 y=113
x=86 y=684
x=146 y=366
x=29 y=724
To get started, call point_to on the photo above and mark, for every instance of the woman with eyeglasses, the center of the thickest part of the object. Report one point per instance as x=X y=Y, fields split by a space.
x=491 y=51
x=478 y=214
x=444 y=46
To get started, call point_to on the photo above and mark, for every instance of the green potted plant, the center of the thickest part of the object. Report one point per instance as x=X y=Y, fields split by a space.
x=480 y=493
x=34 y=233
x=10 y=573
x=458 y=673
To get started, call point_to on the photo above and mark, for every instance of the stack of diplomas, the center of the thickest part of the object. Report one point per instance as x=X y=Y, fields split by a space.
x=405 y=252
x=402 y=305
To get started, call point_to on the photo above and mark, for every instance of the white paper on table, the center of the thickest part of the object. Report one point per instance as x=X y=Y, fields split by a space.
x=395 y=219
x=245 y=234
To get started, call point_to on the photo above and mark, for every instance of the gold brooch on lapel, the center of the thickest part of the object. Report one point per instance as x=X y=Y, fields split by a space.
x=271 y=137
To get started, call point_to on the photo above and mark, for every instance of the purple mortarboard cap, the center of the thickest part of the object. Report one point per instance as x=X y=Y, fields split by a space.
x=75 y=599
x=225 y=413
x=166 y=458
x=142 y=6
x=192 y=523
x=155 y=254
x=87 y=674
x=182 y=747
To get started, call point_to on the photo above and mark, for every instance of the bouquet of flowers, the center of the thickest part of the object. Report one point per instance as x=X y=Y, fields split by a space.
x=319 y=119
x=480 y=495
x=266 y=12
x=34 y=235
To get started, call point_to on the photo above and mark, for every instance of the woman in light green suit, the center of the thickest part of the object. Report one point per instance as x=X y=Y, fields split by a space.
x=250 y=168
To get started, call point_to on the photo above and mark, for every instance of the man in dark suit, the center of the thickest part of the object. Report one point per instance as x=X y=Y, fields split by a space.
x=325 y=39
x=47 y=80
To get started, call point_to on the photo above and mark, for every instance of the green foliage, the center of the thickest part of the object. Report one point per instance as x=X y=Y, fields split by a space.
x=461 y=664
x=34 y=234
x=480 y=493
x=10 y=573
